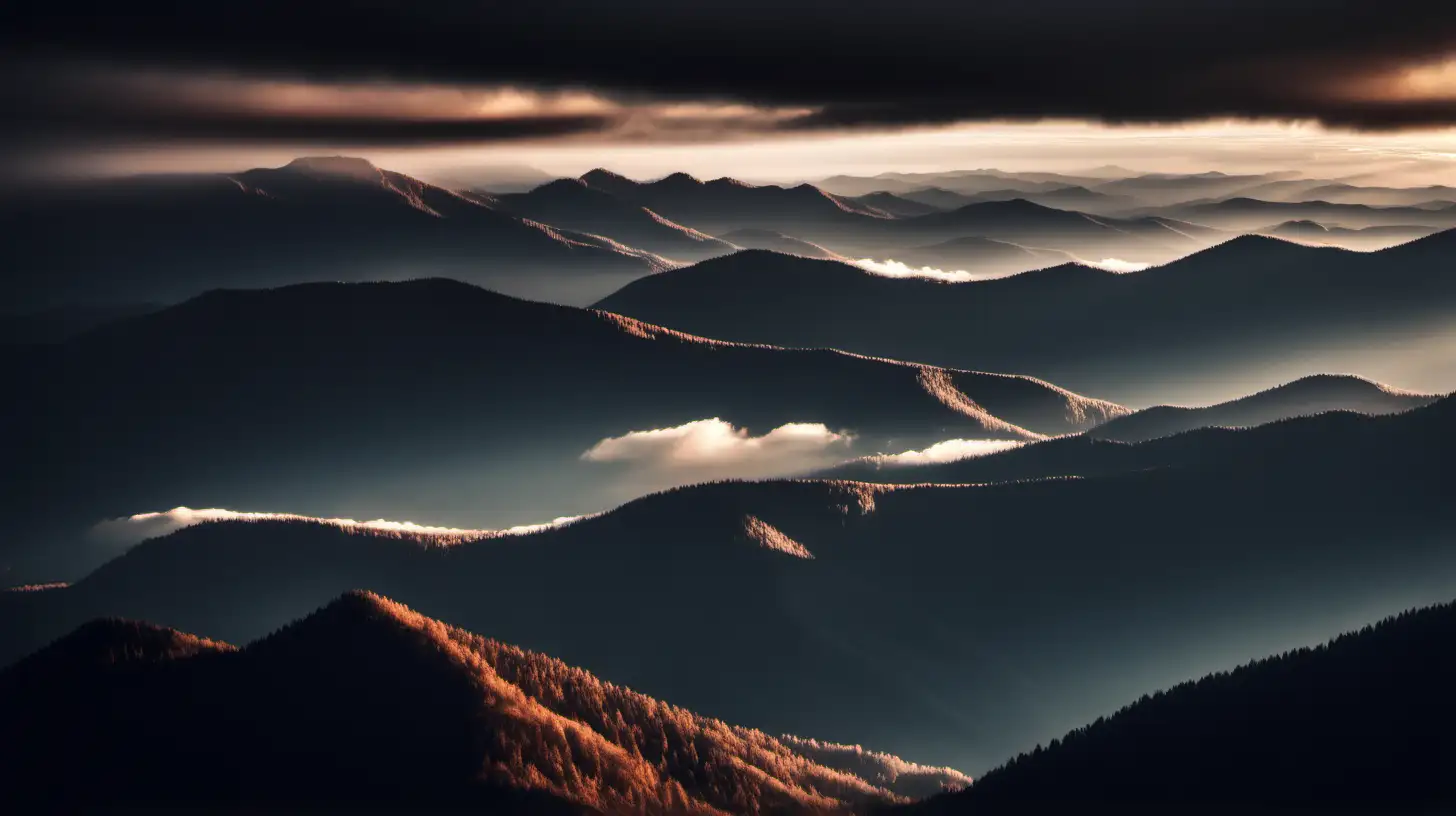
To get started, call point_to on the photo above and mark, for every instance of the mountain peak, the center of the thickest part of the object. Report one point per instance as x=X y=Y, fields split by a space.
x=679 y=179
x=347 y=166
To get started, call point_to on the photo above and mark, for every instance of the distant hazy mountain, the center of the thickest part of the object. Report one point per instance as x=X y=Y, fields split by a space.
x=1368 y=239
x=1160 y=438
x=1359 y=725
x=895 y=205
x=957 y=625
x=1311 y=395
x=939 y=197
x=1164 y=189
x=571 y=204
x=725 y=204
x=1252 y=213
x=1074 y=197
x=320 y=218
x=366 y=703
x=1381 y=196
x=1216 y=319
x=779 y=242
x=982 y=255
x=429 y=399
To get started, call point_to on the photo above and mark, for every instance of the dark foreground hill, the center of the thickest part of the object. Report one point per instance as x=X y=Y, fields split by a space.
x=1359 y=725
x=366 y=703
x=430 y=399
x=955 y=624
x=168 y=238
x=1205 y=326
x=1310 y=395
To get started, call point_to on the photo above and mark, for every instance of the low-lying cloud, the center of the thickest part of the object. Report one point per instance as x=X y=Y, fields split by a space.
x=891 y=268
x=129 y=530
x=715 y=449
x=1117 y=265
x=951 y=450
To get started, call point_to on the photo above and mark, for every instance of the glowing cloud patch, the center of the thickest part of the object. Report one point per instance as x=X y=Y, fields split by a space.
x=951 y=450
x=713 y=448
x=1117 y=265
x=895 y=269
x=130 y=530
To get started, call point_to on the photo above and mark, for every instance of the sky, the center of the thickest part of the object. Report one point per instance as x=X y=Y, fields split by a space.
x=789 y=89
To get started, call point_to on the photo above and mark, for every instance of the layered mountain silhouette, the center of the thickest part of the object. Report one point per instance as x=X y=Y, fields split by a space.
x=366 y=703
x=1361 y=724
x=725 y=204
x=1252 y=306
x=779 y=242
x=572 y=204
x=166 y=238
x=1366 y=240
x=983 y=256
x=1311 y=395
x=1252 y=213
x=955 y=624
x=427 y=399
x=895 y=205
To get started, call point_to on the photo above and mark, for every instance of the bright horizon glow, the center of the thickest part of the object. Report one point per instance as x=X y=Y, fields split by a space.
x=1232 y=146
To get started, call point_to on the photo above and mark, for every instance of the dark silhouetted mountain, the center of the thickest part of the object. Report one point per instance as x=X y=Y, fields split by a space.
x=428 y=398
x=573 y=204
x=1359 y=725
x=1368 y=239
x=1311 y=395
x=895 y=205
x=1252 y=213
x=982 y=255
x=321 y=218
x=1023 y=222
x=61 y=322
x=725 y=204
x=954 y=624
x=1210 y=319
x=1074 y=197
x=779 y=242
x=368 y=702
x=940 y=198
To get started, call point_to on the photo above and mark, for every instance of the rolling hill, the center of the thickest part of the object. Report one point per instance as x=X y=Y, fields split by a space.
x=1209 y=327
x=1252 y=213
x=166 y=238
x=892 y=204
x=1310 y=395
x=435 y=399
x=366 y=703
x=955 y=624
x=1367 y=239
x=572 y=204
x=1358 y=725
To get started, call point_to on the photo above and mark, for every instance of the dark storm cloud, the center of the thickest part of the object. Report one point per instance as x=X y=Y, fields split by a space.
x=865 y=63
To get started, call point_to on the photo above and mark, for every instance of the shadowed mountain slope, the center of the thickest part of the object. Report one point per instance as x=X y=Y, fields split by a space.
x=1209 y=319
x=431 y=399
x=779 y=242
x=366 y=701
x=1359 y=725
x=1311 y=395
x=892 y=204
x=955 y=624
x=572 y=204
x=166 y=238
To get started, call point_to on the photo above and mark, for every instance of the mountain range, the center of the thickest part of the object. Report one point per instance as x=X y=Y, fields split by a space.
x=955 y=624
x=166 y=238
x=436 y=399
x=1217 y=322
x=453 y=721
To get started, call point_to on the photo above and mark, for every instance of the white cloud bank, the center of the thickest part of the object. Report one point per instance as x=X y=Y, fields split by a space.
x=951 y=450
x=891 y=268
x=130 y=530
x=1117 y=265
x=715 y=449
